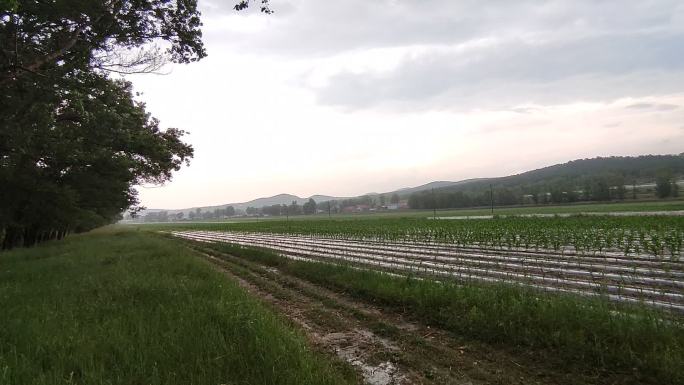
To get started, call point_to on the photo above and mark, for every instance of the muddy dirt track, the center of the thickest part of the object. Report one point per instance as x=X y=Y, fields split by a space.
x=386 y=346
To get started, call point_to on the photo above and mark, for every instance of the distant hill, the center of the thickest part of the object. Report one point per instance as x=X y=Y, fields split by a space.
x=280 y=199
x=638 y=169
x=571 y=175
x=429 y=186
x=325 y=198
x=597 y=179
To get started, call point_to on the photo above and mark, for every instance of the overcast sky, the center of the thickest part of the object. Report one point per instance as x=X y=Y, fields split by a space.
x=346 y=97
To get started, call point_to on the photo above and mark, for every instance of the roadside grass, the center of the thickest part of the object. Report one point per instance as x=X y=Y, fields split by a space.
x=124 y=307
x=588 y=334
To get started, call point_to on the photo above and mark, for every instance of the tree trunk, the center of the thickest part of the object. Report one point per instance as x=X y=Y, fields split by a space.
x=30 y=237
x=13 y=238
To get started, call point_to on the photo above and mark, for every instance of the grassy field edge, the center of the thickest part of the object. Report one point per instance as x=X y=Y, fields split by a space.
x=123 y=307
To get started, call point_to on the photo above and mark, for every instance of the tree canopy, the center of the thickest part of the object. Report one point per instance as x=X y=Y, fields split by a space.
x=38 y=36
x=73 y=140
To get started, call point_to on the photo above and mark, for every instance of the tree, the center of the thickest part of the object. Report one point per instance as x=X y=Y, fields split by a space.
x=663 y=185
x=505 y=197
x=75 y=167
x=294 y=208
x=242 y=4
x=394 y=199
x=620 y=191
x=382 y=199
x=600 y=190
x=557 y=194
x=73 y=142
x=310 y=207
x=534 y=195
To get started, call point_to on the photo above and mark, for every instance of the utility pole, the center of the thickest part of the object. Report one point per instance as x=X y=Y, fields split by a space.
x=329 y=215
x=491 y=197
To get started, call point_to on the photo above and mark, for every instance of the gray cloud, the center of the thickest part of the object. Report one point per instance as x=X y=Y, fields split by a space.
x=516 y=72
x=544 y=52
x=640 y=106
x=314 y=27
x=653 y=106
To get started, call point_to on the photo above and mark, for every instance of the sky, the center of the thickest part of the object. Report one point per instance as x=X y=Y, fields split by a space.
x=347 y=97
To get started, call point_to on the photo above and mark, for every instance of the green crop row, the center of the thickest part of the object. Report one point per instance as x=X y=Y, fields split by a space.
x=659 y=236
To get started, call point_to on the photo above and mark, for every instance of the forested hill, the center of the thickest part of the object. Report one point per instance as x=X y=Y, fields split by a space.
x=597 y=179
x=629 y=170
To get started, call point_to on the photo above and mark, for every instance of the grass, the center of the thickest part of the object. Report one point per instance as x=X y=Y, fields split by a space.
x=123 y=307
x=591 y=334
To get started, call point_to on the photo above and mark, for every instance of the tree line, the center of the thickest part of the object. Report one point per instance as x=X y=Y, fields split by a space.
x=308 y=208
x=196 y=214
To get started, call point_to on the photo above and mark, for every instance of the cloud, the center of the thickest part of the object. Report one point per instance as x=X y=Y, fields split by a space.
x=612 y=125
x=653 y=106
x=314 y=27
x=514 y=72
x=464 y=54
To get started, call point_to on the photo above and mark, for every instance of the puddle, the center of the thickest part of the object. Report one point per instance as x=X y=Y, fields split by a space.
x=353 y=347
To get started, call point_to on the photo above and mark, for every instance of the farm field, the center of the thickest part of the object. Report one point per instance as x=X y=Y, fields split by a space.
x=123 y=307
x=632 y=259
x=624 y=271
x=636 y=279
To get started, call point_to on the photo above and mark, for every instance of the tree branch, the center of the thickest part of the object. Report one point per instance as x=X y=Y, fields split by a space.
x=56 y=54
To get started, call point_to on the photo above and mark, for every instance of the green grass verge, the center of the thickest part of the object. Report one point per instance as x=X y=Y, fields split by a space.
x=590 y=334
x=133 y=308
